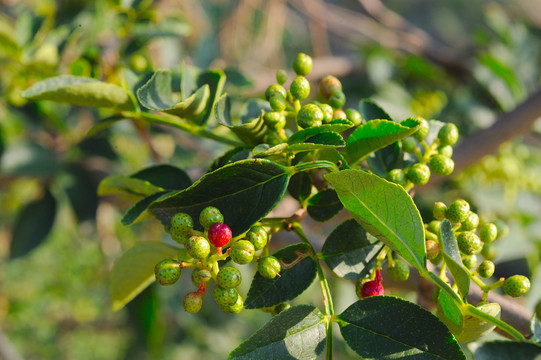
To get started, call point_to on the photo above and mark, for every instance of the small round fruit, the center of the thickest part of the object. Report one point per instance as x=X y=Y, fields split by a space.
x=269 y=267
x=327 y=111
x=488 y=233
x=397 y=176
x=399 y=272
x=469 y=261
x=516 y=285
x=458 y=211
x=371 y=288
x=209 y=216
x=439 y=211
x=281 y=76
x=434 y=226
x=275 y=89
x=181 y=224
x=219 y=234
x=354 y=116
x=448 y=134
x=469 y=243
x=424 y=128
x=167 y=272
x=408 y=144
x=328 y=85
x=418 y=174
x=441 y=165
x=300 y=88
x=486 y=269
x=489 y=251
x=258 y=236
x=337 y=100
x=432 y=249
x=198 y=247
x=471 y=222
x=234 y=308
x=276 y=120
x=309 y=115
x=225 y=297
x=242 y=252
x=200 y=275
x=192 y=302
x=445 y=150
x=278 y=102
x=228 y=277
x=302 y=64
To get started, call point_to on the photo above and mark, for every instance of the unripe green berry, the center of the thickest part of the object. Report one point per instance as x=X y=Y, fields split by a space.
x=228 y=277
x=469 y=243
x=328 y=85
x=225 y=297
x=273 y=90
x=242 y=252
x=274 y=120
x=448 y=134
x=181 y=224
x=502 y=227
x=516 y=285
x=339 y=114
x=471 y=222
x=397 y=176
x=337 y=100
x=269 y=267
x=200 y=275
x=234 y=308
x=198 y=247
x=424 y=128
x=488 y=233
x=441 y=165
x=209 y=216
x=418 y=174
x=469 y=261
x=408 y=144
x=302 y=64
x=309 y=115
x=489 y=251
x=434 y=226
x=327 y=111
x=445 y=150
x=278 y=102
x=300 y=88
x=432 y=249
x=354 y=116
x=399 y=272
x=439 y=211
x=193 y=301
x=486 y=269
x=458 y=211
x=258 y=236
x=281 y=76
x=167 y=272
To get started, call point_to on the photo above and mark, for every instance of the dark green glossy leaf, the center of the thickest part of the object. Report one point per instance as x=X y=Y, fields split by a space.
x=237 y=79
x=78 y=90
x=371 y=111
x=324 y=205
x=385 y=210
x=244 y=191
x=334 y=156
x=296 y=333
x=385 y=327
x=28 y=159
x=336 y=126
x=291 y=282
x=453 y=259
x=300 y=186
x=138 y=212
x=236 y=154
x=506 y=350
x=384 y=160
x=32 y=225
x=250 y=126
x=165 y=176
x=350 y=252
x=215 y=79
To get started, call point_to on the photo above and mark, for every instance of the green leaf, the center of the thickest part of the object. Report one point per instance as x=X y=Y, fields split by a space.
x=138 y=212
x=249 y=127
x=336 y=126
x=134 y=271
x=453 y=259
x=164 y=176
x=291 y=282
x=323 y=205
x=82 y=192
x=475 y=327
x=244 y=191
x=236 y=154
x=300 y=186
x=385 y=327
x=377 y=134
x=32 y=225
x=371 y=111
x=350 y=252
x=385 y=210
x=117 y=184
x=296 y=333
x=170 y=27
x=28 y=159
x=215 y=79
x=157 y=94
x=535 y=327
x=505 y=350
x=78 y=90
x=384 y=160
x=321 y=141
x=449 y=313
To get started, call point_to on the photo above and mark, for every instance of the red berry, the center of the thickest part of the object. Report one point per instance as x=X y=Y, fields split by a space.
x=219 y=234
x=372 y=288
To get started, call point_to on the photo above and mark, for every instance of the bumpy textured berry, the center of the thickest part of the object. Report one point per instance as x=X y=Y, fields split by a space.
x=228 y=277
x=209 y=216
x=371 y=288
x=337 y=100
x=469 y=261
x=269 y=267
x=489 y=251
x=423 y=130
x=469 y=243
x=516 y=285
x=200 y=275
x=399 y=272
x=445 y=150
x=486 y=269
x=192 y=302
x=219 y=234
x=471 y=222
x=448 y=134
x=281 y=76
x=328 y=85
x=181 y=224
x=327 y=111
x=300 y=88
x=225 y=297
x=276 y=120
x=397 y=176
x=198 y=247
x=418 y=174
x=242 y=252
x=258 y=236
x=434 y=226
x=354 y=116
x=278 y=102
x=441 y=165
x=234 y=308
x=488 y=233
x=457 y=211
x=302 y=64
x=432 y=249
x=439 y=211
x=408 y=144
x=309 y=115
x=275 y=89
x=167 y=272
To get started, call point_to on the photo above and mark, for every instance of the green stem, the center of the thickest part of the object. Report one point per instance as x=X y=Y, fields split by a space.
x=321 y=164
x=473 y=311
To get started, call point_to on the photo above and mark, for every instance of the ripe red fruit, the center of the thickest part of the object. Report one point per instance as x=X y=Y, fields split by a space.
x=219 y=234
x=373 y=288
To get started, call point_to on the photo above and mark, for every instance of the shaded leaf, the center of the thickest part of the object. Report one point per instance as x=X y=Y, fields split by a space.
x=371 y=111
x=215 y=79
x=321 y=141
x=300 y=186
x=336 y=126
x=249 y=127
x=324 y=205
x=29 y=159
x=535 y=327
x=475 y=327
x=505 y=350
x=165 y=176
x=138 y=212
x=384 y=160
x=236 y=154
x=117 y=184
x=82 y=192
x=453 y=259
